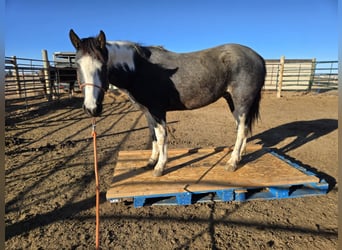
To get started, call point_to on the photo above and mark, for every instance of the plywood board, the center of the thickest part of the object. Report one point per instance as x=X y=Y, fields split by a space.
x=201 y=170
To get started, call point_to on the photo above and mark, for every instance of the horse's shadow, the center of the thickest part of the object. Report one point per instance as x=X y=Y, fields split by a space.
x=291 y=136
x=301 y=132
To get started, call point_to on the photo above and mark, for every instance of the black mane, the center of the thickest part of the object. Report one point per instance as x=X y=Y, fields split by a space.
x=91 y=46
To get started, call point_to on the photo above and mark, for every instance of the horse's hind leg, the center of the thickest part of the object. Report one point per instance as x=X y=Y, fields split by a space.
x=240 y=144
x=242 y=132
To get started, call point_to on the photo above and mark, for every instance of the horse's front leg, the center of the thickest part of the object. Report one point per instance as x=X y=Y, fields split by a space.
x=157 y=126
x=161 y=145
x=155 y=149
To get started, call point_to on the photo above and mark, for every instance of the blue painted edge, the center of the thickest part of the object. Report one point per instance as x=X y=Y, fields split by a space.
x=293 y=164
x=238 y=195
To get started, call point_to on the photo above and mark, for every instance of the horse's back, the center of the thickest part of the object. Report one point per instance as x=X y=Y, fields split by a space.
x=231 y=59
x=231 y=50
x=202 y=77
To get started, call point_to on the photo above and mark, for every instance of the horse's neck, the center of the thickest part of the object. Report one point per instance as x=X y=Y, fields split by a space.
x=121 y=55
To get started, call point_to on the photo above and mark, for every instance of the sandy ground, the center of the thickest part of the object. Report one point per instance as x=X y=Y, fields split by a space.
x=50 y=190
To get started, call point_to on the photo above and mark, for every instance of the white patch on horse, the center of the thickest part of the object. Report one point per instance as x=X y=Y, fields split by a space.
x=90 y=68
x=155 y=153
x=160 y=132
x=240 y=144
x=121 y=54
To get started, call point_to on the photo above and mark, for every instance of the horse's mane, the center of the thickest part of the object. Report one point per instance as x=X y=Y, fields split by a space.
x=160 y=47
x=91 y=45
x=144 y=50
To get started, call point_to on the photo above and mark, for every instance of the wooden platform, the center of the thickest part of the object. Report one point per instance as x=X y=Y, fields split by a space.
x=193 y=175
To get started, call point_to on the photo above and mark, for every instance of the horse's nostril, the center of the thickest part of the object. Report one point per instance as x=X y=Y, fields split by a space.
x=88 y=111
x=93 y=111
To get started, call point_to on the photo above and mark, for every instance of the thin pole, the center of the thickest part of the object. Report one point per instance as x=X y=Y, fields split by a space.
x=281 y=74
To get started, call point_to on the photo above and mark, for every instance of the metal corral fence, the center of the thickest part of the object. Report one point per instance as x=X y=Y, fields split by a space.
x=22 y=78
x=301 y=75
x=28 y=79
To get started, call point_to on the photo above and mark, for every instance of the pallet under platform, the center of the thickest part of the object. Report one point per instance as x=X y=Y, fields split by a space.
x=198 y=175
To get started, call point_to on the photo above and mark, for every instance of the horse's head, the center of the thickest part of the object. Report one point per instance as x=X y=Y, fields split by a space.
x=91 y=60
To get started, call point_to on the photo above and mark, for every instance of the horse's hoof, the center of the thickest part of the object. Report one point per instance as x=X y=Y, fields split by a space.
x=230 y=167
x=150 y=165
x=157 y=173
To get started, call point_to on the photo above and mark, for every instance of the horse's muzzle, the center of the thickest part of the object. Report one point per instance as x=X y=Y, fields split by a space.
x=94 y=112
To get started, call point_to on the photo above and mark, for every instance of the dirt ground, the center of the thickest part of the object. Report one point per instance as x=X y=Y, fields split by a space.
x=50 y=189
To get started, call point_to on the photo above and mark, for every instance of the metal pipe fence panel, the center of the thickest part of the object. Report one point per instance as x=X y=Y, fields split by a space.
x=302 y=75
x=326 y=75
x=22 y=78
x=26 y=79
x=29 y=80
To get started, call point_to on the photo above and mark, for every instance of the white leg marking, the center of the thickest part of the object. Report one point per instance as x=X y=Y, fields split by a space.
x=154 y=156
x=240 y=144
x=243 y=147
x=162 y=148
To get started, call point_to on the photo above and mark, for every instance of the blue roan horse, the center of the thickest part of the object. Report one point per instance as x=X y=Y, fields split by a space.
x=159 y=81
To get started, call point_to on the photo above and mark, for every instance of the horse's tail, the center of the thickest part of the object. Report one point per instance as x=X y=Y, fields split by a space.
x=254 y=114
x=253 y=111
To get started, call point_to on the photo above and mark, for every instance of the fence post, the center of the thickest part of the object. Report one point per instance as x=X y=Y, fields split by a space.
x=281 y=73
x=312 y=73
x=47 y=74
x=17 y=77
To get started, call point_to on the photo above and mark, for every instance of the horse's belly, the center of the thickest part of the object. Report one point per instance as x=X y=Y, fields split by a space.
x=199 y=102
x=201 y=92
x=193 y=98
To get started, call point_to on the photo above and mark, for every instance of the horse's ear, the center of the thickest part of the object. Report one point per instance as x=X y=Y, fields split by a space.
x=75 y=40
x=102 y=39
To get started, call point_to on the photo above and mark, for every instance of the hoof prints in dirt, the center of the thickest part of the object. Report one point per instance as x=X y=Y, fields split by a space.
x=68 y=144
x=63 y=145
x=14 y=141
x=47 y=148
x=50 y=147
